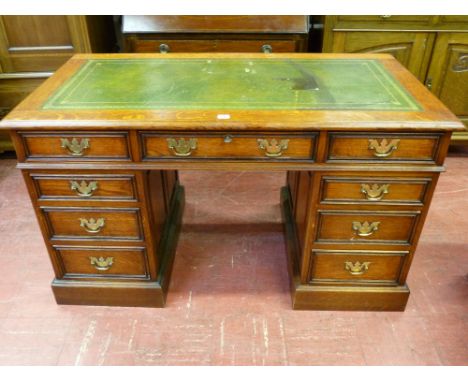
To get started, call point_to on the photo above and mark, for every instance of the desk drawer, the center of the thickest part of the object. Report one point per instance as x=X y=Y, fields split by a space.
x=76 y=146
x=383 y=147
x=103 y=262
x=93 y=223
x=364 y=226
x=174 y=46
x=84 y=186
x=229 y=146
x=356 y=266
x=374 y=190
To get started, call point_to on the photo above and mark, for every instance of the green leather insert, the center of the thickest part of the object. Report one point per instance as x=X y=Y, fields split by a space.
x=232 y=83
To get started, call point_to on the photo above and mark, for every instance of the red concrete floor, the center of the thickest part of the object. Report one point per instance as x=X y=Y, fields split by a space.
x=229 y=302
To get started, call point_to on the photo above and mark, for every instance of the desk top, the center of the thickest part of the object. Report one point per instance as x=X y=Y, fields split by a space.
x=231 y=84
x=232 y=91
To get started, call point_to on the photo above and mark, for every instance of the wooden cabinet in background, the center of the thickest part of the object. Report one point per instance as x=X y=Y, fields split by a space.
x=448 y=73
x=433 y=48
x=412 y=49
x=33 y=47
x=165 y=34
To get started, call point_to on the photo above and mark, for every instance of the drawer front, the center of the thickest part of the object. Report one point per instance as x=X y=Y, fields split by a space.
x=462 y=19
x=383 y=147
x=76 y=147
x=93 y=223
x=354 y=266
x=228 y=146
x=102 y=262
x=174 y=46
x=362 y=227
x=84 y=187
x=385 y=20
x=374 y=190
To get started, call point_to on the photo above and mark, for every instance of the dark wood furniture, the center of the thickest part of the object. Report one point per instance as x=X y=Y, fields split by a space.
x=154 y=34
x=362 y=140
x=33 y=47
x=433 y=48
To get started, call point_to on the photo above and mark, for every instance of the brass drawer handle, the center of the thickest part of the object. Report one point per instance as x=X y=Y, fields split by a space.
x=374 y=192
x=164 y=48
x=74 y=147
x=92 y=225
x=84 y=189
x=267 y=48
x=385 y=16
x=428 y=83
x=101 y=263
x=366 y=228
x=384 y=148
x=357 y=268
x=182 y=147
x=273 y=148
x=461 y=65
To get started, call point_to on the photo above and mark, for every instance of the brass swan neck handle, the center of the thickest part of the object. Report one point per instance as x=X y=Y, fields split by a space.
x=92 y=225
x=374 y=192
x=365 y=229
x=101 y=263
x=182 y=147
x=83 y=188
x=75 y=147
x=383 y=148
x=273 y=148
x=357 y=268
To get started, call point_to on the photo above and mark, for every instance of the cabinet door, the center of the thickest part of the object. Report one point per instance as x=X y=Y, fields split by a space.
x=448 y=74
x=40 y=43
x=412 y=49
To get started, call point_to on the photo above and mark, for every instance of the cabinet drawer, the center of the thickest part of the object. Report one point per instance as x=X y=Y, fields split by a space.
x=385 y=20
x=462 y=19
x=76 y=147
x=363 y=226
x=383 y=147
x=84 y=187
x=227 y=146
x=93 y=223
x=103 y=262
x=374 y=190
x=174 y=46
x=356 y=266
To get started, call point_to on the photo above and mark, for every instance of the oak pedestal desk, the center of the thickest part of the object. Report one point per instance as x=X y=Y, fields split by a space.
x=363 y=142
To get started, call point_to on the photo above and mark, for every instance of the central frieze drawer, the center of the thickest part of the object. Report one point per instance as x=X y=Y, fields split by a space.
x=363 y=226
x=372 y=147
x=103 y=262
x=211 y=45
x=229 y=146
x=93 y=223
x=82 y=146
x=356 y=266
x=84 y=186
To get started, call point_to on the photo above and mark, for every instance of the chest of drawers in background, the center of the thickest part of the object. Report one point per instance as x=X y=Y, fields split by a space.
x=178 y=34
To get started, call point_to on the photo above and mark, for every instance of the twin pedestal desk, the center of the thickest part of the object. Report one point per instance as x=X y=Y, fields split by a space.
x=362 y=141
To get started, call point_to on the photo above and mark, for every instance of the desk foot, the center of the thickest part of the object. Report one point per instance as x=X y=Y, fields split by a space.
x=311 y=297
x=130 y=293
x=142 y=294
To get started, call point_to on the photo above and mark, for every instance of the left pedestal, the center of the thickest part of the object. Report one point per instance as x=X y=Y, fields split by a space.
x=111 y=236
